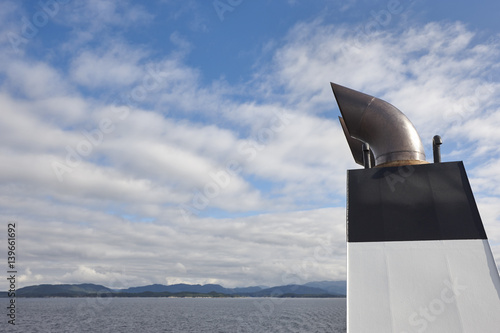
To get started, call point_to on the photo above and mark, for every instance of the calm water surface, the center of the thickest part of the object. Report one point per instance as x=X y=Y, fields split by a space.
x=179 y=315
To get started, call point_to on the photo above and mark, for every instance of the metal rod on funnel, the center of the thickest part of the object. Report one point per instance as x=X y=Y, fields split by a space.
x=366 y=156
x=436 y=148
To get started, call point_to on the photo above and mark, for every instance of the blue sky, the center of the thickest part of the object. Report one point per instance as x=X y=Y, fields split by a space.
x=198 y=141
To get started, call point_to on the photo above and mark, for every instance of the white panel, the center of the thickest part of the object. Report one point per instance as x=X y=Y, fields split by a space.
x=425 y=286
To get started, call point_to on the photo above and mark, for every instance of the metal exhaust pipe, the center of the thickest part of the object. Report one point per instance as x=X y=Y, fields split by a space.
x=392 y=138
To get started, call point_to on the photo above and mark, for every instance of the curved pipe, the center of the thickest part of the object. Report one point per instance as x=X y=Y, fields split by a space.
x=392 y=137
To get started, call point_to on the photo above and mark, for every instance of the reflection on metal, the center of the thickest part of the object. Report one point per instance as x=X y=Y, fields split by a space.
x=365 y=119
x=366 y=156
x=436 y=148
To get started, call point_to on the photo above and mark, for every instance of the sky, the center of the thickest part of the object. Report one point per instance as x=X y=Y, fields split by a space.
x=198 y=141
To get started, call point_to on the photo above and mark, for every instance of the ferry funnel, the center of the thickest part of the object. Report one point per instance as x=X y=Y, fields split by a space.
x=418 y=257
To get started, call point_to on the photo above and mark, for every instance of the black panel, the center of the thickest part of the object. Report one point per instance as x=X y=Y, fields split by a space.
x=411 y=203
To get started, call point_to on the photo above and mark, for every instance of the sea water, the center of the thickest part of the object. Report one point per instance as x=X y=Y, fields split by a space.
x=181 y=315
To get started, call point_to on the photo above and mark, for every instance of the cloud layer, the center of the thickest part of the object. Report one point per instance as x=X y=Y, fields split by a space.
x=123 y=167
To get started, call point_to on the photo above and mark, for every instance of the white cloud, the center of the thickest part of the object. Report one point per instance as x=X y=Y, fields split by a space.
x=116 y=214
x=99 y=20
x=29 y=277
x=85 y=274
x=101 y=14
x=271 y=249
x=36 y=80
x=115 y=66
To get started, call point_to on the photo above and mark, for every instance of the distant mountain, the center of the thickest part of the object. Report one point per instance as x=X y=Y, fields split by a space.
x=63 y=290
x=312 y=289
x=330 y=288
x=196 y=288
x=333 y=287
x=156 y=288
x=246 y=290
x=192 y=288
x=293 y=289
